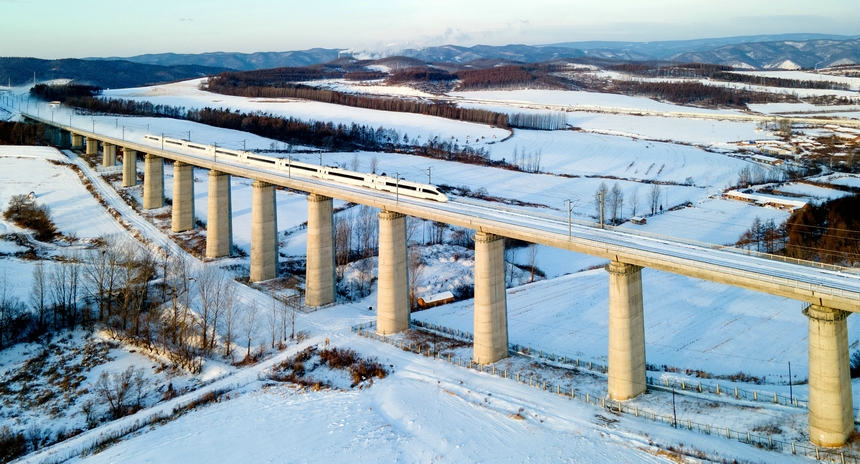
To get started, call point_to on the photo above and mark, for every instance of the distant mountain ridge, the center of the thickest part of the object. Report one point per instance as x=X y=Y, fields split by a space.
x=784 y=51
x=101 y=73
x=237 y=61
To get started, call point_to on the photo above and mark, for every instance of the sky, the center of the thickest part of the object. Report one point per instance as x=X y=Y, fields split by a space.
x=90 y=28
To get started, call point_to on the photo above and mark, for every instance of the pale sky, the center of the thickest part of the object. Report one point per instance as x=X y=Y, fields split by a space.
x=85 y=28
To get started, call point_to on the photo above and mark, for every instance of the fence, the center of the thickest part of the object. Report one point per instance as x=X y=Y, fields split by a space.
x=760 y=441
x=653 y=381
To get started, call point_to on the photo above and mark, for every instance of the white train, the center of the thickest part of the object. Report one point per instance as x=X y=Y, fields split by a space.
x=373 y=181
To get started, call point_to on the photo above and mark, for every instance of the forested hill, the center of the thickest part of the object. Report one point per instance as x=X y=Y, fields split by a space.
x=101 y=73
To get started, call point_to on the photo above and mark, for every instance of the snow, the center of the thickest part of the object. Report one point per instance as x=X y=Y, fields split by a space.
x=188 y=95
x=804 y=109
x=848 y=180
x=854 y=82
x=577 y=99
x=369 y=87
x=699 y=131
x=711 y=221
x=812 y=192
x=27 y=169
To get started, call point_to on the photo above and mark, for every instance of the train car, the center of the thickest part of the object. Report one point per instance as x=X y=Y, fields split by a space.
x=342 y=176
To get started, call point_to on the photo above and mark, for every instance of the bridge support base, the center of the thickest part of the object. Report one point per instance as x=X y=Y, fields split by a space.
x=392 y=314
x=264 y=232
x=626 y=332
x=92 y=146
x=831 y=406
x=183 y=197
x=153 y=182
x=491 y=303
x=219 y=228
x=320 y=281
x=129 y=168
x=109 y=155
x=77 y=141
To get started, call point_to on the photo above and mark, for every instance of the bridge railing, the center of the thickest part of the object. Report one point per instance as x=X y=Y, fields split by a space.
x=662 y=237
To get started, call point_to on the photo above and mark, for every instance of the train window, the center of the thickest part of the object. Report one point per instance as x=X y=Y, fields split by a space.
x=408 y=187
x=173 y=142
x=197 y=147
x=225 y=153
x=264 y=160
x=345 y=176
x=304 y=168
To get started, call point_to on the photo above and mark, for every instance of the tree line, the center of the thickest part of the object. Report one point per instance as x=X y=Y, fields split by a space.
x=233 y=85
x=686 y=93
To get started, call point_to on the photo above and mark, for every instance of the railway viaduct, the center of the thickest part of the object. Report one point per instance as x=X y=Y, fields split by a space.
x=832 y=293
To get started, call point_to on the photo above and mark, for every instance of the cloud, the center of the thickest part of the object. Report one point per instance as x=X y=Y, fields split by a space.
x=185 y=19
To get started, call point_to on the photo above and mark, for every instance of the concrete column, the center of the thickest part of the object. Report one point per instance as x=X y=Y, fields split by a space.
x=64 y=139
x=264 y=232
x=491 y=302
x=153 y=182
x=219 y=228
x=831 y=406
x=183 y=196
x=319 y=278
x=92 y=146
x=77 y=141
x=129 y=168
x=392 y=303
x=626 y=332
x=109 y=155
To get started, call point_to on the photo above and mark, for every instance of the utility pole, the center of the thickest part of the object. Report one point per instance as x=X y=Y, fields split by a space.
x=674 y=413
x=428 y=174
x=569 y=207
x=790 y=390
x=397 y=187
x=601 y=206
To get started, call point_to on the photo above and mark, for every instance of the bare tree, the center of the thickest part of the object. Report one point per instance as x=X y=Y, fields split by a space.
x=654 y=198
x=210 y=285
x=114 y=388
x=251 y=321
x=343 y=240
x=532 y=253
x=416 y=271
x=230 y=318
x=39 y=296
x=600 y=202
x=374 y=164
x=616 y=202
x=354 y=164
x=634 y=202
x=272 y=317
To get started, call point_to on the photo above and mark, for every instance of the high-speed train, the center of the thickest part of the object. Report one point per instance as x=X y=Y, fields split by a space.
x=290 y=167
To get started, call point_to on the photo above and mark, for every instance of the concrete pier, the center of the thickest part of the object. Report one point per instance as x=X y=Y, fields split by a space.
x=183 y=197
x=129 y=167
x=392 y=286
x=264 y=232
x=626 y=332
x=108 y=155
x=64 y=139
x=92 y=146
x=219 y=228
x=153 y=182
x=491 y=303
x=77 y=141
x=320 y=280
x=831 y=406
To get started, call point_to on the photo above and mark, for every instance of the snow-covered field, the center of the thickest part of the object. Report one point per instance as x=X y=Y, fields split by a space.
x=555 y=98
x=698 y=131
x=854 y=82
x=188 y=95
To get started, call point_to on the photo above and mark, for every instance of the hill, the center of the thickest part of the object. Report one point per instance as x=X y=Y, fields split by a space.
x=100 y=73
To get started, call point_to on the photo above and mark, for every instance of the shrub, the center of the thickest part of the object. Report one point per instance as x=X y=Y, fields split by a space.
x=25 y=212
x=12 y=445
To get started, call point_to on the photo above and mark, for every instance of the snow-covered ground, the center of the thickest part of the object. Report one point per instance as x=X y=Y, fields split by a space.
x=188 y=95
x=578 y=99
x=698 y=131
x=854 y=82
